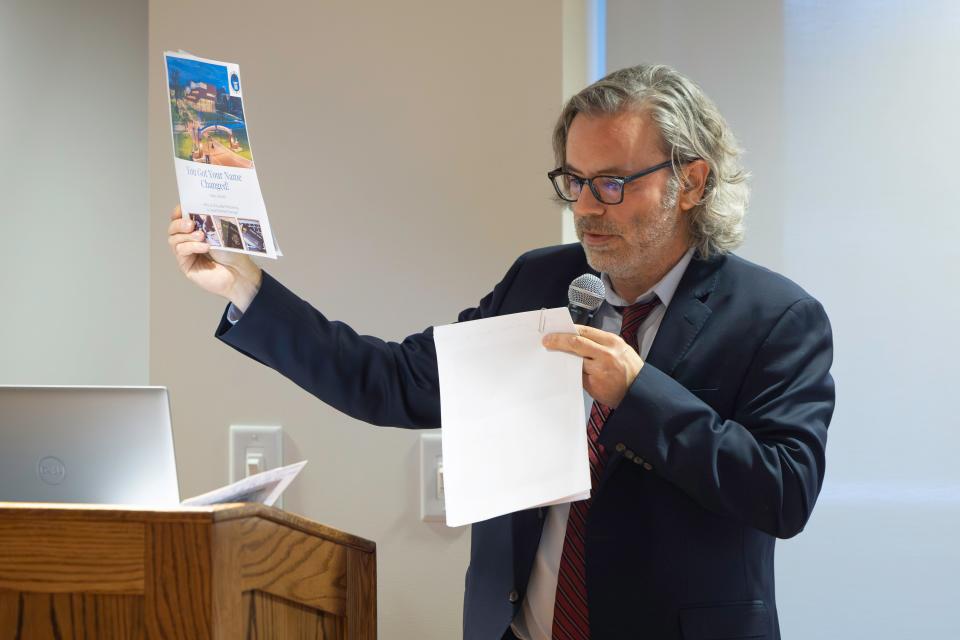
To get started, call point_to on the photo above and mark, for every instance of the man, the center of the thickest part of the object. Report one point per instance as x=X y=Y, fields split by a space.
x=707 y=379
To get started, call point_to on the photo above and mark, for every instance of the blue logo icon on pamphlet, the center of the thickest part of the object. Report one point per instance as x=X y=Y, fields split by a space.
x=235 y=82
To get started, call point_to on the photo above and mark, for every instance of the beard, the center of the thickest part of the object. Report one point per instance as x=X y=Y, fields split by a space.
x=639 y=241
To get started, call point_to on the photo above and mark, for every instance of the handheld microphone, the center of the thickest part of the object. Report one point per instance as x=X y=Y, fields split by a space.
x=585 y=294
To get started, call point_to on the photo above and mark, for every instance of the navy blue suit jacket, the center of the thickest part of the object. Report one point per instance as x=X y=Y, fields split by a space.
x=717 y=449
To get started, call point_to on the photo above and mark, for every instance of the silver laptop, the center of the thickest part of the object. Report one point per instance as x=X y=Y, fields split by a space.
x=108 y=445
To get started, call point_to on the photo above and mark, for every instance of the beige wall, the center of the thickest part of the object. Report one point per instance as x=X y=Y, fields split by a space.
x=73 y=178
x=577 y=43
x=402 y=149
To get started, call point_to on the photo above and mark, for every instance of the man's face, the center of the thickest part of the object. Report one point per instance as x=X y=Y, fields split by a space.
x=637 y=237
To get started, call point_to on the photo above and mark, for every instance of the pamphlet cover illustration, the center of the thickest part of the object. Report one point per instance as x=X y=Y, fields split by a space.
x=216 y=174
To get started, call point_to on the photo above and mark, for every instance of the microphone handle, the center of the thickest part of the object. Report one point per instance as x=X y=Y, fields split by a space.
x=580 y=315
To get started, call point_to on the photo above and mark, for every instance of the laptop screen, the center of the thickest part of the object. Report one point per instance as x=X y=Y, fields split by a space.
x=98 y=445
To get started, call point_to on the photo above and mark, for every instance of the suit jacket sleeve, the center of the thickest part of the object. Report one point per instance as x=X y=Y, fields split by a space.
x=764 y=465
x=384 y=383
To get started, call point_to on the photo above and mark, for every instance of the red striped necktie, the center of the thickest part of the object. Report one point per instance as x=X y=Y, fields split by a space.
x=571 y=620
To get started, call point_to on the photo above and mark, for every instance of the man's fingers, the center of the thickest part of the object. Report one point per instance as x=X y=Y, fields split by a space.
x=575 y=344
x=600 y=336
x=176 y=213
x=594 y=366
x=180 y=225
x=178 y=238
x=588 y=342
x=189 y=248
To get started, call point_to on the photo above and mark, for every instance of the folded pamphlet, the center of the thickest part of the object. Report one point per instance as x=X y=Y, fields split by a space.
x=264 y=488
x=216 y=175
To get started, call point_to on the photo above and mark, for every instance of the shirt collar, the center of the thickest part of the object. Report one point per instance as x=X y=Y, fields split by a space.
x=663 y=289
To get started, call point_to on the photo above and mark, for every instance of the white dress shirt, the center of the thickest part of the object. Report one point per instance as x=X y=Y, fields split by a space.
x=535 y=620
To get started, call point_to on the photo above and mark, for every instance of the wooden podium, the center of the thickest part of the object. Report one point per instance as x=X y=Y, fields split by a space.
x=194 y=573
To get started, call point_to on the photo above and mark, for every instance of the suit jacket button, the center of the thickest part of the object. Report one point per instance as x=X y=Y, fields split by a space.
x=648 y=466
x=628 y=454
x=620 y=447
x=513 y=596
x=637 y=460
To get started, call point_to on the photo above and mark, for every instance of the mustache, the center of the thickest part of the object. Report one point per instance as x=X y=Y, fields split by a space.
x=592 y=226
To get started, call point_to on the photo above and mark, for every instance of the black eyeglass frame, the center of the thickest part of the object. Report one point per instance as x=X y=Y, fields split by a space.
x=622 y=180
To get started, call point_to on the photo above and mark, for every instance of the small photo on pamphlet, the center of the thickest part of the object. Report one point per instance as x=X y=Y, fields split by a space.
x=208 y=123
x=204 y=222
x=229 y=232
x=252 y=236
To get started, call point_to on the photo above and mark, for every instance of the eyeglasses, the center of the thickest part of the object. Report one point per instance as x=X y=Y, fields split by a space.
x=606 y=189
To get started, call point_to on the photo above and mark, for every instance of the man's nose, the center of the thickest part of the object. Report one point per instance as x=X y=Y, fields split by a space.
x=587 y=204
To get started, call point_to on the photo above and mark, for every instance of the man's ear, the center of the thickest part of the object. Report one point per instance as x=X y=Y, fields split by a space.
x=694 y=181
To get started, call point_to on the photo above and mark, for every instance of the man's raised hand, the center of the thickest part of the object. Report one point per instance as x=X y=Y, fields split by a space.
x=233 y=276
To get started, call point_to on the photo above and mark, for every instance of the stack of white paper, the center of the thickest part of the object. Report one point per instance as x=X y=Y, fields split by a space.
x=514 y=434
x=265 y=487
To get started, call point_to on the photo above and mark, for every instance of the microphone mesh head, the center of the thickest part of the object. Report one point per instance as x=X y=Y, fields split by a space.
x=586 y=291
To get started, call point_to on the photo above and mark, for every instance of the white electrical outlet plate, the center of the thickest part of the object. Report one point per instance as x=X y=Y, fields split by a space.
x=254 y=449
x=431 y=479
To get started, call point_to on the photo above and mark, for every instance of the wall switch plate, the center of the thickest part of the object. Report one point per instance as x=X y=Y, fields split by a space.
x=431 y=479
x=254 y=449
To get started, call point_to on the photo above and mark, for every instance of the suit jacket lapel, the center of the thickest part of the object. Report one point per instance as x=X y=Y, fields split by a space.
x=685 y=316
x=681 y=324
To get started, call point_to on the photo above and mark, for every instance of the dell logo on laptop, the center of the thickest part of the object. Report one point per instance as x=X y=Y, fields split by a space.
x=51 y=470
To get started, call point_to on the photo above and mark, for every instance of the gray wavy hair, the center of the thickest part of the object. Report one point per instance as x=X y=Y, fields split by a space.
x=691 y=127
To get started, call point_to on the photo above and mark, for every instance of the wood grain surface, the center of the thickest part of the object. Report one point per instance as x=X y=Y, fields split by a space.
x=361 y=596
x=219 y=573
x=290 y=520
x=214 y=513
x=228 y=610
x=292 y=565
x=273 y=618
x=71 y=556
x=178 y=592
x=70 y=616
